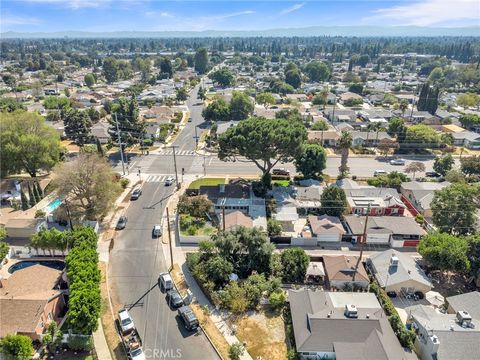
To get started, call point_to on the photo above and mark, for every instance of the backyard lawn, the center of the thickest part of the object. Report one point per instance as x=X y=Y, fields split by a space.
x=206 y=181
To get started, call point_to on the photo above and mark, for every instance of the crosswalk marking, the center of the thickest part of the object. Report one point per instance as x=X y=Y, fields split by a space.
x=156 y=178
x=178 y=153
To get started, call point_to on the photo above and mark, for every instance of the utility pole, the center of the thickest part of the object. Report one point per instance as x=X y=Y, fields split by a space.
x=362 y=243
x=196 y=138
x=223 y=215
x=334 y=106
x=169 y=240
x=69 y=216
x=204 y=164
x=120 y=143
x=175 y=164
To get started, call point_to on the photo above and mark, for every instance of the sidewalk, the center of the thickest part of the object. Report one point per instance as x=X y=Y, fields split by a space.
x=101 y=347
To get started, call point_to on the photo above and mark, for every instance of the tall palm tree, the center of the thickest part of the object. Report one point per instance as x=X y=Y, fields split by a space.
x=345 y=143
x=403 y=106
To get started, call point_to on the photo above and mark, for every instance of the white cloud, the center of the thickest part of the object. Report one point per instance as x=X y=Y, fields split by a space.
x=163 y=14
x=74 y=4
x=228 y=16
x=9 y=20
x=426 y=13
x=292 y=9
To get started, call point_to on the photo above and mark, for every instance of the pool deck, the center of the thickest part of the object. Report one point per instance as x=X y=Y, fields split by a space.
x=4 y=274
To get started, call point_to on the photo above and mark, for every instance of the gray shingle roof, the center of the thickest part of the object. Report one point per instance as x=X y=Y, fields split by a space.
x=469 y=302
x=384 y=225
x=407 y=269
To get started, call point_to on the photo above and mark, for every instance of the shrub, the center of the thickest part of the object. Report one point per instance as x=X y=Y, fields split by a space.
x=39 y=214
x=4 y=247
x=80 y=343
x=147 y=142
x=274 y=227
x=235 y=351
x=277 y=300
x=419 y=218
x=124 y=183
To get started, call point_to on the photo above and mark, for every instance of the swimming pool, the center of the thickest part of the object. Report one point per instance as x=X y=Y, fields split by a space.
x=52 y=206
x=54 y=264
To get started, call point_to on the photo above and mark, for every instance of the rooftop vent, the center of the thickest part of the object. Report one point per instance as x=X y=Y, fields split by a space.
x=394 y=261
x=464 y=318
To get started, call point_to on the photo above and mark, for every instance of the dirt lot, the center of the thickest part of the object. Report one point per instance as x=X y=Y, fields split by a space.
x=451 y=285
x=263 y=334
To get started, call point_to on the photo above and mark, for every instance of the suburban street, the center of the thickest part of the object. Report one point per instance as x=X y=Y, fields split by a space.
x=135 y=263
x=137 y=258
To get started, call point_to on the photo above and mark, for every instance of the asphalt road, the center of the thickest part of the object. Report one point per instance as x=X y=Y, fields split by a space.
x=135 y=263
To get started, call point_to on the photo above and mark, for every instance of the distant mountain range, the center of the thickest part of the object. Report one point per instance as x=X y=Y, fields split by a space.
x=360 y=31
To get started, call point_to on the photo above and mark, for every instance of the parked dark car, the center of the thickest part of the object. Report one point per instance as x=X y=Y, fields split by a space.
x=122 y=222
x=432 y=174
x=174 y=298
x=280 y=171
x=136 y=194
x=189 y=319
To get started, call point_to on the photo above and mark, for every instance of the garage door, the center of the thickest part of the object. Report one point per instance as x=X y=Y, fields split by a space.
x=328 y=237
x=378 y=238
x=410 y=243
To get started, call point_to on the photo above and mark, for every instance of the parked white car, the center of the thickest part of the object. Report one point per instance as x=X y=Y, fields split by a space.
x=136 y=354
x=397 y=162
x=125 y=321
x=165 y=281
x=157 y=230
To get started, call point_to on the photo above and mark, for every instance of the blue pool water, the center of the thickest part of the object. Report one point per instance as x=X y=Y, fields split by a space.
x=53 y=205
x=54 y=264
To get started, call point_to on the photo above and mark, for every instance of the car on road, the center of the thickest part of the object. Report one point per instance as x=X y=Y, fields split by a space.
x=125 y=321
x=281 y=171
x=189 y=319
x=169 y=181
x=189 y=119
x=121 y=223
x=379 y=173
x=397 y=162
x=157 y=230
x=136 y=194
x=165 y=281
x=433 y=174
x=174 y=299
x=136 y=354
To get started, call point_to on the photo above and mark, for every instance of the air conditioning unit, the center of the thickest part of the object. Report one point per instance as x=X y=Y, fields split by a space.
x=351 y=311
x=394 y=261
x=464 y=318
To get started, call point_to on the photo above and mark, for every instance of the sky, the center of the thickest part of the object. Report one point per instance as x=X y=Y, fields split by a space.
x=166 y=15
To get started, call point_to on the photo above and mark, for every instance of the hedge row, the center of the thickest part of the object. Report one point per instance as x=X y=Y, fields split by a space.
x=84 y=282
x=405 y=336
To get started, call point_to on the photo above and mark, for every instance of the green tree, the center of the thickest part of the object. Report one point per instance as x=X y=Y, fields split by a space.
x=89 y=80
x=246 y=249
x=31 y=197
x=468 y=100
x=201 y=60
x=386 y=146
x=443 y=164
x=218 y=270
x=11 y=105
x=295 y=263
x=418 y=136
x=274 y=227
x=293 y=78
x=453 y=208
x=320 y=125
x=241 y=106
x=16 y=347
x=265 y=142
x=317 y=71
x=217 y=110
x=181 y=94
x=132 y=129
x=24 y=200
x=445 y=252
x=28 y=144
x=344 y=144
x=90 y=184
x=110 y=69
x=470 y=165
x=469 y=120
x=166 y=66
x=276 y=300
x=265 y=99
x=224 y=77
x=312 y=160
x=356 y=88
x=333 y=201
x=78 y=126
x=202 y=94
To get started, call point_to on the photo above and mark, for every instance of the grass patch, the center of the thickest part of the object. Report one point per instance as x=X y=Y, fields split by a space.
x=192 y=226
x=283 y=183
x=206 y=181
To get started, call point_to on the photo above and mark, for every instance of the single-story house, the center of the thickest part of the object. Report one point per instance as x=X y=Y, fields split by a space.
x=341 y=115
x=235 y=219
x=420 y=194
x=325 y=138
x=469 y=302
x=307 y=198
x=342 y=326
x=30 y=299
x=348 y=96
x=382 y=201
x=326 y=228
x=444 y=336
x=398 y=272
x=341 y=271
x=368 y=138
x=315 y=272
x=395 y=231
x=469 y=139
x=22 y=228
